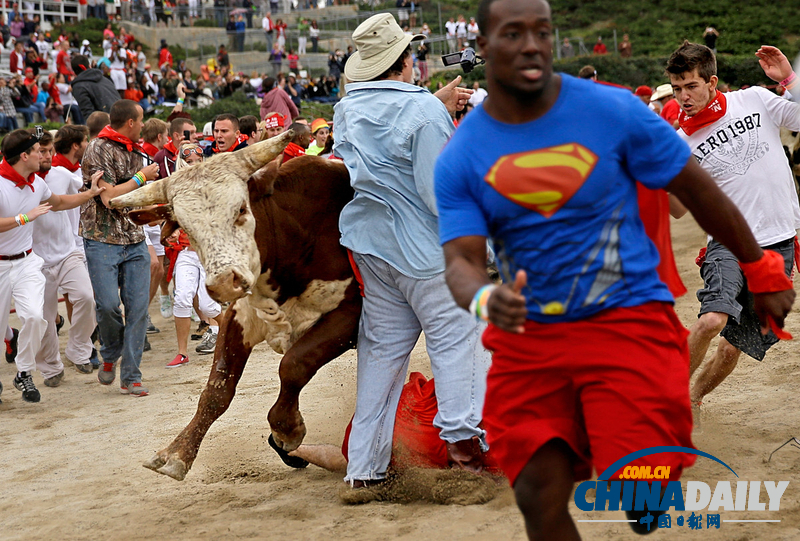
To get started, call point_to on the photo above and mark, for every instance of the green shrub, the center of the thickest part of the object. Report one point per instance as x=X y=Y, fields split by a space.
x=205 y=23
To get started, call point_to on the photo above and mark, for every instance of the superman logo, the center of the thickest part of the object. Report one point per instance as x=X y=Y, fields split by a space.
x=543 y=180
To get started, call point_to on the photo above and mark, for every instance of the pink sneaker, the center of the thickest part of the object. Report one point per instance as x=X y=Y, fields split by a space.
x=135 y=389
x=178 y=361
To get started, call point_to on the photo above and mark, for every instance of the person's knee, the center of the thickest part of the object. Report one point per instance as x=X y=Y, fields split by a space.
x=710 y=324
x=543 y=488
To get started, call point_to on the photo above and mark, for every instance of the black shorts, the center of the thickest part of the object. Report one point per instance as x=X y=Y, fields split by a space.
x=725 y=291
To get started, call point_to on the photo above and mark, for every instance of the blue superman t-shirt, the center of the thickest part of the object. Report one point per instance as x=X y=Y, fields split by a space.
x=558 y=197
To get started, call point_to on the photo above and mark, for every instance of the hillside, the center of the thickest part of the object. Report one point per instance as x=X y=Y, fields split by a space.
x=657 y=27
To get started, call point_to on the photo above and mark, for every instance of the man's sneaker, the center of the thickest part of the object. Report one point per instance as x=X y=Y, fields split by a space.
x=54 y=381
x=94 y=360
x=178 y=361
x=166 y=306
x=59 y=323
x=84 y=368
x=24 y=382
x=208 y=344
x=147 y=346
x=107 y=374
x=133 y=389
x=200 y=333
x=151 y=329
x=11 y=347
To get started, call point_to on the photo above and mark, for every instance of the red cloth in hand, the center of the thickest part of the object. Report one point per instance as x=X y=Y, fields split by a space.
x=766 y=275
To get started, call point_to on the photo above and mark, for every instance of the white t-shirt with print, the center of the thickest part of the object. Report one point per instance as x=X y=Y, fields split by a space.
x=742 y=151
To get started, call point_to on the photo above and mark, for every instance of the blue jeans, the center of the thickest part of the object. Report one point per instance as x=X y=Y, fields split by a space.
x=27 y=112
x=395 y=310
x=120 y=269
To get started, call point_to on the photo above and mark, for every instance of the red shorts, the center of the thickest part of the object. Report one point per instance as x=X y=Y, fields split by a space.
x=608 y=386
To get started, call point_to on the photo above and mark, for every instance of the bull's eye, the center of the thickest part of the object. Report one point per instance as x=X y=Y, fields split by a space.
x=242 y=210
x=240 y=219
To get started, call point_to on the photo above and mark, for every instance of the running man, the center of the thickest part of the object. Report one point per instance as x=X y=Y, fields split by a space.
x=735 y=137
x=590 y=362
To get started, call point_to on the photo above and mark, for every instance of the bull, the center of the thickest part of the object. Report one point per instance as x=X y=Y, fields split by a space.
x=268 y=238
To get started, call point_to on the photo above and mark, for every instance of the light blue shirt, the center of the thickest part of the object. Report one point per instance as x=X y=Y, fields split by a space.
x=389 y=135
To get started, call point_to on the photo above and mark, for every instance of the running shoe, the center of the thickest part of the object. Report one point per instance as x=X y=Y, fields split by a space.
x=178 y=361
x=166 y=306
x=107 y=374
x=55 y=381
x=208 y=344
x=11 y=346
x=59 y=323
x=201 y=331
x=151 y=329
x=133 y=389
x=24 y=382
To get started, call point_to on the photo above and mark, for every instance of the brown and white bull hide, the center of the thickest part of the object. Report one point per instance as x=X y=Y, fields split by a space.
x=269 y=240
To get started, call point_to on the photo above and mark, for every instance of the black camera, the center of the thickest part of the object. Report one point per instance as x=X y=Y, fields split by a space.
x=187 y=135
x=467 y=58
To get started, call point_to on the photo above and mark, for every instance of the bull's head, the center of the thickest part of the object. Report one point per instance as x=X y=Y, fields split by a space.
x=210 y=202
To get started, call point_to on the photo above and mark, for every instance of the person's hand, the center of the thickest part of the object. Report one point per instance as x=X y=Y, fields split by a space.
x=151 y=171
x=507 y=307
x=94 y=189
x=772 y=309
x=453 y=96
x=35 y=212
x=181 y=91
x=774 y=63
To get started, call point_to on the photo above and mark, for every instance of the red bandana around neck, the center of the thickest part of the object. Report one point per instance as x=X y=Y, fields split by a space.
x=150 y=149
x=9 y=173
x=293 y=150
x=170 y=147
x=59 y=160
x=113 y=135
x=241 y=139
x=711 y=113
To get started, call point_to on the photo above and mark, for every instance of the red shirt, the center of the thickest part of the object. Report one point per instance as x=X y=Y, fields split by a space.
x=292 y=58
x=600 y=48
x=62 y=63
x=670 y=111
x=164 y=56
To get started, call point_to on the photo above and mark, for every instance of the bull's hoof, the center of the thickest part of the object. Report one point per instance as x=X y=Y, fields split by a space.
x=171 y=467
x=291 y=461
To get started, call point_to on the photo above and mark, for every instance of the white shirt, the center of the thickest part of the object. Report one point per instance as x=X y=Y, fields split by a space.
x=266 y=24
x=14 y=201
x=54 y=233
x=477 y=97
x=461 y=29
x=742 y=151
x=472 y=30
x=65 y=94
x=451 y=28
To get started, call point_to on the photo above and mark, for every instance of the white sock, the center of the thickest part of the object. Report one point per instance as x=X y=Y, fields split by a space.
x=9 y=333
x=214 y=329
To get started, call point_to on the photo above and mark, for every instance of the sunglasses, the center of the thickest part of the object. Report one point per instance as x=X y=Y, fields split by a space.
x=186 y=152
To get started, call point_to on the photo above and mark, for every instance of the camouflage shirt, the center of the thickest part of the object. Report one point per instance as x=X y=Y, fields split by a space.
x=99 y=223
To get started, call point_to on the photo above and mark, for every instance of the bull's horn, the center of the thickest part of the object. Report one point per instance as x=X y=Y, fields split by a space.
x=256 y=156
x=150 y=194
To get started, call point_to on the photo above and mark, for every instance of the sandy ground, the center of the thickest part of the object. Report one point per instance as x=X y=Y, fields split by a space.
x=71 y=465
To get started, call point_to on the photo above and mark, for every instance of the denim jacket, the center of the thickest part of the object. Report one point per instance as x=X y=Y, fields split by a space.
x=389 y=135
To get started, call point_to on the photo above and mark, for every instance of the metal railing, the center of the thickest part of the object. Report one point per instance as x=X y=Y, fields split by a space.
x=48 y=11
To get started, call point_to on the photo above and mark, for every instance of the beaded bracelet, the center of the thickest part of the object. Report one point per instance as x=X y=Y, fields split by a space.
x=479 y=302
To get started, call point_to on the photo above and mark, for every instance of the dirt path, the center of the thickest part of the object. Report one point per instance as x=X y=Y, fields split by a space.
x=71 y=465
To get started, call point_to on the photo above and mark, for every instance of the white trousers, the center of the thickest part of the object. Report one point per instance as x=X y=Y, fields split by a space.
x=301 y=45
x=23 y=281
x=71 y=277
x=190 y=280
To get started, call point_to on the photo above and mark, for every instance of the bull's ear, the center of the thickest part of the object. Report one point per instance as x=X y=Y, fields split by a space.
x=262 y=183
x=148 y=215
x=154 y=193
x=167 y=229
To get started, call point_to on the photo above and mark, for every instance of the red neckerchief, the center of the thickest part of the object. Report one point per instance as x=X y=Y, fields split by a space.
x=59 y=160
x=170 y=147
x=239 y=140
x=711 y=113
x=9 y=173
x=113 y=135
x=150 y=149
x=41 y=176
x=293 y=150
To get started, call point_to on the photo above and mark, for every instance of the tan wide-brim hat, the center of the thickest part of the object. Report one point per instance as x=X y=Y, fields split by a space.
x=662 y=91
x=379 y=42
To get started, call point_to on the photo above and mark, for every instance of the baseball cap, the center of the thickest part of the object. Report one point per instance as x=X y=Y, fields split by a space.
x=643 y=91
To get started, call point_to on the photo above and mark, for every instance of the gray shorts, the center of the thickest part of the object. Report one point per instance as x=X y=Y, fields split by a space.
x=725 y=291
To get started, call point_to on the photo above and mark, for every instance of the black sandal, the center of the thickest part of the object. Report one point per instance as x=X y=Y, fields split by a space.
x=291 y=461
